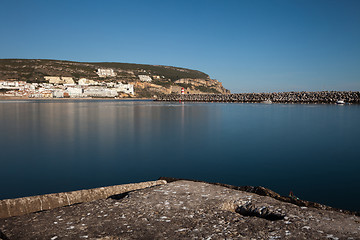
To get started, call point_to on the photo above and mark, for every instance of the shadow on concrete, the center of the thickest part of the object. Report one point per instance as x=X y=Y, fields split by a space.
x=120 y=196
x=265 y=213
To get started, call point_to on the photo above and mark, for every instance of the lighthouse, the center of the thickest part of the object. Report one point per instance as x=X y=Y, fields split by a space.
x=182 y=91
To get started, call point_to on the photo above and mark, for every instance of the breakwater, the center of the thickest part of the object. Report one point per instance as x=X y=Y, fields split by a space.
x=183 y=210
x=281 y=97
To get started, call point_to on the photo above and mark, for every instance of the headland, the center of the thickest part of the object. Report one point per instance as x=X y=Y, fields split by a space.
x=41 y=78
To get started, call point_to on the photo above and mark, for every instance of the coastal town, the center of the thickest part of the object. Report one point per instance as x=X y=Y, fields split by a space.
x=66 y=87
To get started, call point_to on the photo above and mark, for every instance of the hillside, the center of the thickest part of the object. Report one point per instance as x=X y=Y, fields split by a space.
x=164 y=79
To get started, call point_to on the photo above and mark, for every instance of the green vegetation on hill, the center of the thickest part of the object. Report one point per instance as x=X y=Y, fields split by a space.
x=206 y=89
x=34 y=70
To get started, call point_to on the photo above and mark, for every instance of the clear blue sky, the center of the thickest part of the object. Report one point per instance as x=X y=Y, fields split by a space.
x=250 y=46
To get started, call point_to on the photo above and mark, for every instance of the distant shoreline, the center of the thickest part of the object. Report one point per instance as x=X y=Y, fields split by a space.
x=67 y=99
x=322 y=97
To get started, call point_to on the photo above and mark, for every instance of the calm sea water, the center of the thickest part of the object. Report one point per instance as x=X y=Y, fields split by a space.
x=54 y=146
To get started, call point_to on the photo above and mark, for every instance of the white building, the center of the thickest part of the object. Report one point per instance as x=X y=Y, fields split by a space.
x=125 y=88
x=100 y=92
x=53 y=80
x=110 y=84
x=58 y=94
x=47 y=85
x=12 y=84
x=60 y=80
x=31 y=86
x=67 y=80
x=75 y=92
x=87 y=82
x=106 y=72
x=145 y=78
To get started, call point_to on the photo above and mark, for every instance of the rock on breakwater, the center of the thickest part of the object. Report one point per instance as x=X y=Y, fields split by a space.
x=282 y=97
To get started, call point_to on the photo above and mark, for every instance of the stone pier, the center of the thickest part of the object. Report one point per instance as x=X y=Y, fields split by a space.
x=282 y=97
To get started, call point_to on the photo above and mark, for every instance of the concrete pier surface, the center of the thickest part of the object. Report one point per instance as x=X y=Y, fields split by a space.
x=281 y=97
x=183 y=210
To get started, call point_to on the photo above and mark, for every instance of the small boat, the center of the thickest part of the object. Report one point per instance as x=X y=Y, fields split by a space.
x=267 y=102
x=340 y=102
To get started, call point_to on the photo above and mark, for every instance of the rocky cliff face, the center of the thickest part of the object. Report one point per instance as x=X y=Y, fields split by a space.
x=202 y=85
x=161 y=79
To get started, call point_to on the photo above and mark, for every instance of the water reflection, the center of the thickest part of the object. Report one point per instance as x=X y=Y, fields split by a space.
x=67 y=145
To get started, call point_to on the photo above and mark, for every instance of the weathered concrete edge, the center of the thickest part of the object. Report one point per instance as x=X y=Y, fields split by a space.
x=25 y=205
